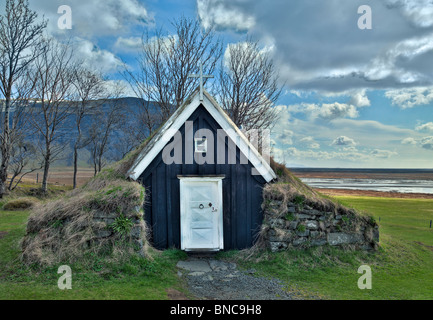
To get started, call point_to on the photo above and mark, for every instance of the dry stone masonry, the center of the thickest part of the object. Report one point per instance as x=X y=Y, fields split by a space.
x=103 y=217
x=289 y=222
x=103 y=221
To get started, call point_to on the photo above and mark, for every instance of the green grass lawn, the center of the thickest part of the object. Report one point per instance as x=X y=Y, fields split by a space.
x=401 y=269
x=136 y=279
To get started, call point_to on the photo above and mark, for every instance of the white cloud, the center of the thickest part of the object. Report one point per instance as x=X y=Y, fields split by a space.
x=418 y=12
x=343 y=141
x=388 y=63
x=286 y=137
x=128 y=44
x=223 y=15
x=384 y=58
x=296 y=154
x=95 y=58
x=338 y=110
x=280 y=132
x=425 y=127
x=326 y=111
x=307 y=139
x=309 y=142
x=96 y=17
x=91 y=22
x=360 y=99
x=349 y=142
x=410 y=141
x=385 y=154
x=410 y=97
x=246 y=47
x=427 y=143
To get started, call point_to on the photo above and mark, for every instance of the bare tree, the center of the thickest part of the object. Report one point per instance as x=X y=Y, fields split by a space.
x=248 y=86
x=20 y=45
x=108 y=119
x=165 y=62
x=23 y=154
x=89 y=89
x=53 y=74
x=146 y=115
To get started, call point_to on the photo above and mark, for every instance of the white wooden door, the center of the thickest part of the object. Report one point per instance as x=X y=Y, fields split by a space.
x=201 y=214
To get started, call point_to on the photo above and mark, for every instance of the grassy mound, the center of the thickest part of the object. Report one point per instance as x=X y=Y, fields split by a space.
x=99 y=218
x=20 y=204
x=288 y=191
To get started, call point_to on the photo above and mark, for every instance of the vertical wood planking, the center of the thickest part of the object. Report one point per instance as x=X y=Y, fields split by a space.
x=233 y=206
x=176 y=207
x=162 y=206
x=155 y=212
x=250 y=214
x=168 y=204
x=242 y=194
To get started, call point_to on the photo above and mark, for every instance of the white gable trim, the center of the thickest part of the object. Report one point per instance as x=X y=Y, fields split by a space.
x=176 y=121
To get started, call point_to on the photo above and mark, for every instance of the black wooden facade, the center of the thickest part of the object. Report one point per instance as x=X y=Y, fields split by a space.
x=242 y=194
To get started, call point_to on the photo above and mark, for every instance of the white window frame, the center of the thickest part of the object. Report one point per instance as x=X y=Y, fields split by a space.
x=196 y=146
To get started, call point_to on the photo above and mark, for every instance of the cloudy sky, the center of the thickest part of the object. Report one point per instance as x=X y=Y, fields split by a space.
x=352 y=97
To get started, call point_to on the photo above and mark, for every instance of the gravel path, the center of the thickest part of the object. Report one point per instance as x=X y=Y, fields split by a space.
x=219 y=280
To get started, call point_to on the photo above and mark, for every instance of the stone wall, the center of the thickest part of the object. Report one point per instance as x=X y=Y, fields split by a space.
x=104 y=215
x=103 y=221
x=300 y=223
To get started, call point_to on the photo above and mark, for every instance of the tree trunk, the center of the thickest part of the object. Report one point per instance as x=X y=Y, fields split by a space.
x=11 y=182
x=99 y=163
x=5 y=148
x=3 y=177
x=75 y=166
x=47 y=160
x=76 y=145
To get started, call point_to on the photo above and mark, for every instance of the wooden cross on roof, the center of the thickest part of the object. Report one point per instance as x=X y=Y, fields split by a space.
x=201 y=76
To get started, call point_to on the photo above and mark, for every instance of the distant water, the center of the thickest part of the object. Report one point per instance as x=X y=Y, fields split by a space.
x=390 y=184
x=402 y=186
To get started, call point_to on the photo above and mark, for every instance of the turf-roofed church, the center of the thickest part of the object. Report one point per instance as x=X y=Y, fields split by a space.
x=203 y=180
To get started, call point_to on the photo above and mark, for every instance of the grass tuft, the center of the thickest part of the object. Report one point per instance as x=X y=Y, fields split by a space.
x=66 y=229
x=20 y=204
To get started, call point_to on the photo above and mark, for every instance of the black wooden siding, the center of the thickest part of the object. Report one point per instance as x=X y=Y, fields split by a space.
x=242 y=194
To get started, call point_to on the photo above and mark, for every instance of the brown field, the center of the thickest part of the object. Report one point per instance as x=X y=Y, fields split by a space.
x=63 y=177
x=368 y=193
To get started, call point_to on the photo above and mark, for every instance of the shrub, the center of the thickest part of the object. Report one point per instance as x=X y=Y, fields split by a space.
x=301 y=228
x=20 y=204
x=290 y=217
x=122 y=225
x=299 y=201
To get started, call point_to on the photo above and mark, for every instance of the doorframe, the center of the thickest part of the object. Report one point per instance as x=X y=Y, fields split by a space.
x=195 y=178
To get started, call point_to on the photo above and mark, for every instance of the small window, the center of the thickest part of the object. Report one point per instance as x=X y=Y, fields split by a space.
x=200 y=145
